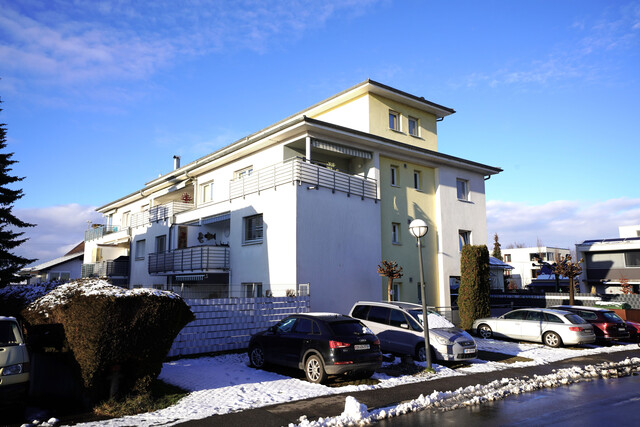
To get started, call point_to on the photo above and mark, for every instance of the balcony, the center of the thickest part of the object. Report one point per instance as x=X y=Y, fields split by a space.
x=298 y=170
x=102 y=230
x=199 y=259
x=159 y=213
x=111 y=268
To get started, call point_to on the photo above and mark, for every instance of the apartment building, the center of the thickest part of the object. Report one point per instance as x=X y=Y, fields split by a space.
x=610 y=263
x=311 y=204
x=526 y=262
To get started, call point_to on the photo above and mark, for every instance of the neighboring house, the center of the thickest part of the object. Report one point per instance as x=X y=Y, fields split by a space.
x=64 y=268
x=609 y=262
x=319 y=198
x=526 y=263
x=498 y=270
x=548 y=283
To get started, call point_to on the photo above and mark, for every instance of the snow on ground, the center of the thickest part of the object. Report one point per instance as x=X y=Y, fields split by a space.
x=224 y=384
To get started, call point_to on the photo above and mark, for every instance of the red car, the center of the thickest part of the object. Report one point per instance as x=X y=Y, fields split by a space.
x=606 y=323
x=634 y=331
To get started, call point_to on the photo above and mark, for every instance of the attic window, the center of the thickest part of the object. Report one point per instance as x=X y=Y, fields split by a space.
x=394 y=120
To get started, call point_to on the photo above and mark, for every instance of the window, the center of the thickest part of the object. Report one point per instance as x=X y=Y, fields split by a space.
x=395 y=291
x=553 y=318
x=125 y=218
x=417 y=180
x=464 y=237
x=161 y=243
x=253 y=228
x=252 y=290
x=507 y=257
x=394 y=120
x=551 y=257
x=394 y=176
x=536 y=316
x=206 y=192
x=413 y=126
x=516 y=315
x=379 y=314
x=303 y=326
x=59 y=276
x=395 y=233
x=463 y=189
x=632 y=259
x=182 y=236
x=360 y=312
x=140 y=249
x=243 y=173
x=397 y=318
x=534 y=273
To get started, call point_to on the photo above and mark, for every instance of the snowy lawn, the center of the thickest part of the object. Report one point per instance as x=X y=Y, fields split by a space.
x=224 y=384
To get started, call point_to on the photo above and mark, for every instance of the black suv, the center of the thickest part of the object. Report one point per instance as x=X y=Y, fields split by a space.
x=321 y=344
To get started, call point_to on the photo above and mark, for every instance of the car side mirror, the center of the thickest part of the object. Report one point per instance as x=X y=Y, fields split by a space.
x=404 y=326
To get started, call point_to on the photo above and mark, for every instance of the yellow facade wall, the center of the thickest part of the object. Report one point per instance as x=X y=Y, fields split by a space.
x=379 y=123
x=399 y=204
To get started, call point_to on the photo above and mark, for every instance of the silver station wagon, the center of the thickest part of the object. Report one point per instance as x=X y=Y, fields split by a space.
x=551 y=327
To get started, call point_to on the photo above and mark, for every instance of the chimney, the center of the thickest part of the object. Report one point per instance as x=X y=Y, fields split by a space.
x=176 y=162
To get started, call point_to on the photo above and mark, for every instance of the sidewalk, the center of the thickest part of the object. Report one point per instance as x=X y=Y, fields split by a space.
x=329 y=406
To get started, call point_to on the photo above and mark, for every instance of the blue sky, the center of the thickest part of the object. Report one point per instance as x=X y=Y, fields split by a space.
x=99 y=95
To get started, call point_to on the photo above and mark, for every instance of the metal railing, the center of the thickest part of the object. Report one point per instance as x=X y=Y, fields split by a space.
x=119 y=268
x=159 y=213
x=196 y=259
x=102 y=230
x=298 y=170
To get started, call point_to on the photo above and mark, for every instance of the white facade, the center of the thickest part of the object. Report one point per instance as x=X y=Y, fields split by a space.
x=526 y=266
x=294 y=207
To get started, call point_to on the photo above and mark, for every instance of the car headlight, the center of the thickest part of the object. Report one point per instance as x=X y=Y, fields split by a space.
x=442 y=340
x=12 y=370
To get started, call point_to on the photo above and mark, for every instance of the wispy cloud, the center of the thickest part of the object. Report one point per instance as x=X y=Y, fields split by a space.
x=560 y=223
x=617 y=30
x=67 y=41
x=58 y=229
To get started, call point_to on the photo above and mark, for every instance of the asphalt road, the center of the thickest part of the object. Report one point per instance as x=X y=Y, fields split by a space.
x=330 y=406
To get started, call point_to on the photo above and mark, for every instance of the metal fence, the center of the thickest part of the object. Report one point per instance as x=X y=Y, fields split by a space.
x=199 y=258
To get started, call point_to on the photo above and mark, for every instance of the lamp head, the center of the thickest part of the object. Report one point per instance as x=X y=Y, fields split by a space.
x=418 y=228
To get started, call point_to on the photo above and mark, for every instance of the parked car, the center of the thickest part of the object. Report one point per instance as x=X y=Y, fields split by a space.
x=634 y=331
x=398 y=325
x=14 y=362
x=551 y=327
x=607 y=324
x=321 y=344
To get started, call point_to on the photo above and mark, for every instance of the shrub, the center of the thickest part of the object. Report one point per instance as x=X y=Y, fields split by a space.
x=117 y=336
x=473 y=295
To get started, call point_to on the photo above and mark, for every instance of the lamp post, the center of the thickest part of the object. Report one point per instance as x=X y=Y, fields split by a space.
x=418 y=228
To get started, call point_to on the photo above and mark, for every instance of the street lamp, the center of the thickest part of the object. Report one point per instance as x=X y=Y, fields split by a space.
x=418 y=228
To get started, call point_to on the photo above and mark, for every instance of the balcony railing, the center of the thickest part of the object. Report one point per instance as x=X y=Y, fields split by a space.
x=102 y=230
x=298 y=170
x=159 y=213
x=117 y=268
x=196 y=259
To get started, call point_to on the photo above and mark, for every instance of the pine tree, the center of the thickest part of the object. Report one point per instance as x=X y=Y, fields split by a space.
x=497 y=253
x=10 y=263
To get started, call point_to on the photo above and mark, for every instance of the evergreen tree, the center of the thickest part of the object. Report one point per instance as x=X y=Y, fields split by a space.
x=497 y=253
x=10 y=263
x=473 y=295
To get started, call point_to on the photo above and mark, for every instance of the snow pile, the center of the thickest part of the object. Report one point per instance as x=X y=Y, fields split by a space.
x=61 y=294
x=477 y=394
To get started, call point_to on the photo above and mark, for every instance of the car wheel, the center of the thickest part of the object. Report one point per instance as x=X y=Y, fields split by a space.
x=552 y=339
x=484 y=331
x=421 y=354
x=256 y=357
x=314 y=370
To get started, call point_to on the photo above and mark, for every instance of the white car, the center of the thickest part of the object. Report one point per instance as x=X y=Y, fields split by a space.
x=14 y=362
x=398 y=325
x=551 y=327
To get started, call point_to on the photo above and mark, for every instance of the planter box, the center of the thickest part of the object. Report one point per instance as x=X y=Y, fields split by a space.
x=632 y=314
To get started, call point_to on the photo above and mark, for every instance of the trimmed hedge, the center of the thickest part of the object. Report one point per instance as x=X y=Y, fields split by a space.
x=475 y=286
x=119 y=338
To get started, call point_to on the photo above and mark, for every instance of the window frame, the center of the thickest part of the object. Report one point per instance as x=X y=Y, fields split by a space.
x=396 y=120
x=141 y=246
x=462 y=240
x=206 y=192
x=417 y=180
x=252 y=234
x=394 y=177
x=243 y=173
x=395 y=233
x=416 y=130
x=466 y=192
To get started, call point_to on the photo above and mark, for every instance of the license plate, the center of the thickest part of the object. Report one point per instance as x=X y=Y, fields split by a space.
x=469 y=350
x=622 y=329
x=361 y=347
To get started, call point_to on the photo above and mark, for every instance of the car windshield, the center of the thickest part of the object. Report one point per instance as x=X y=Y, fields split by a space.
x=610 y=315
x=9 y=334
x=575 y=319
x=349 y=328
x=417 y=314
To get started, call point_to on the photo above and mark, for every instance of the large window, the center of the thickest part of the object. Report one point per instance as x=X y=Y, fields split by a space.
x=253 y=229
x=463 y=189
x=140 y=249
x=507 y=257
x=464 y=238
x=413 y=126
x=394 y=120
x=206 y=192
x=632 y=259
